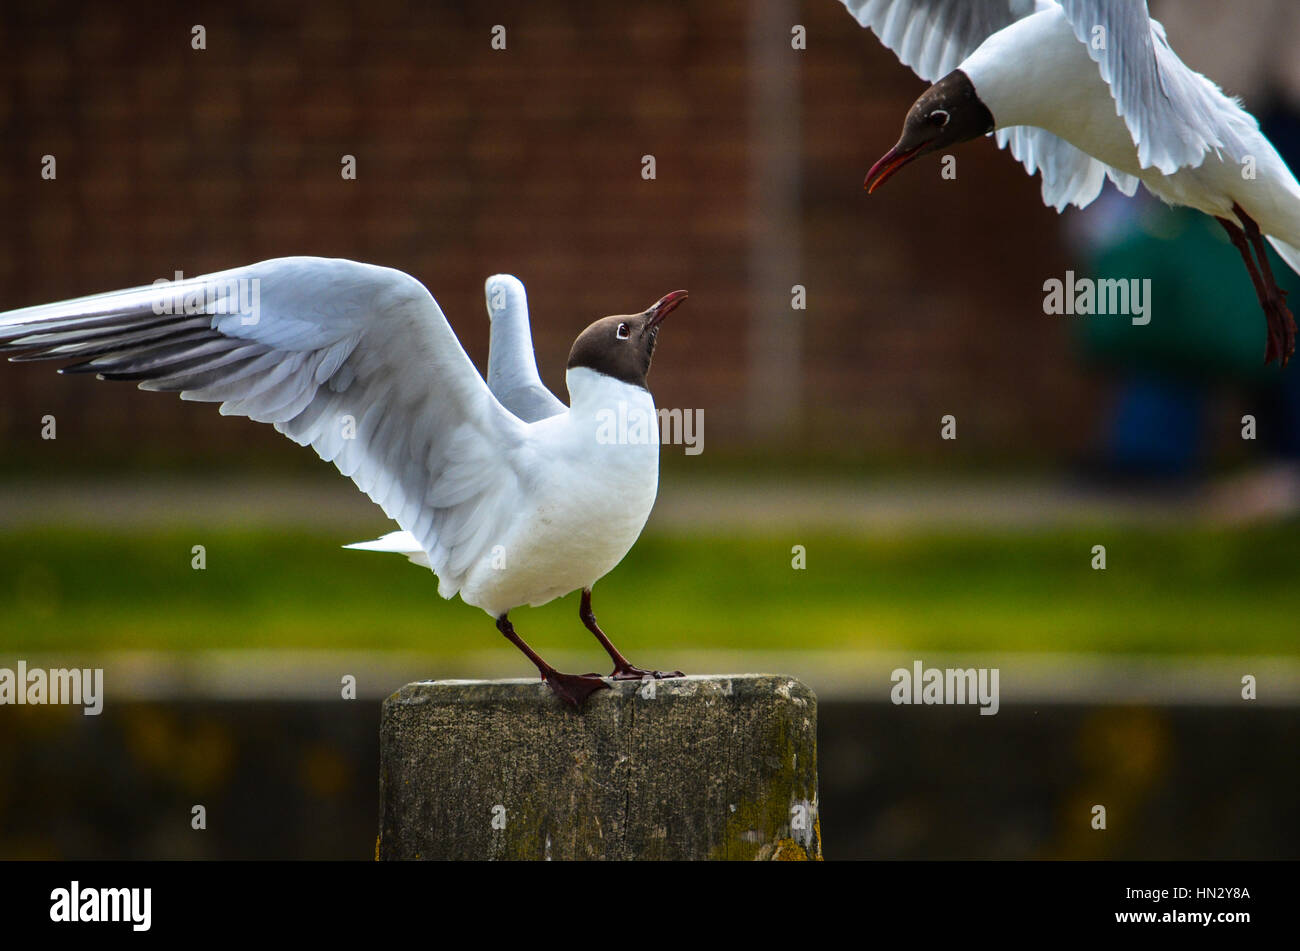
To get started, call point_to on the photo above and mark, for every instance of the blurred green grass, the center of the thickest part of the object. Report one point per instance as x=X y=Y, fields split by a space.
x=1183 y=591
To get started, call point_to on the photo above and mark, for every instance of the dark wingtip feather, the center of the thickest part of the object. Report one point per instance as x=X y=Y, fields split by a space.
x=86 y=367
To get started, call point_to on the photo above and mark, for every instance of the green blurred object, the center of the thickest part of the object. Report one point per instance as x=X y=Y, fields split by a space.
x=1205 y=320
x=1169 y=590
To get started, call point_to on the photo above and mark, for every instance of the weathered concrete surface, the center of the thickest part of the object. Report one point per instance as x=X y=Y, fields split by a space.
x=718 y=767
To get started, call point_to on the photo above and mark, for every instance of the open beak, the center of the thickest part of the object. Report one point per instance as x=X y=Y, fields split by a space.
x=663 y=307
x=889 y=163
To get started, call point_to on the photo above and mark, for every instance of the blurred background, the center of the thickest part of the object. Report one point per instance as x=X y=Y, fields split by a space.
x=821 y=424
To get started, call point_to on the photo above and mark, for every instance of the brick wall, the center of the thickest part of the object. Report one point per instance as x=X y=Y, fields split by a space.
x=923 y=299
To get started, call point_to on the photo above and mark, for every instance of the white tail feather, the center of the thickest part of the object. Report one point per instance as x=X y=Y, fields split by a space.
x=1288 y=254
x=401 y=543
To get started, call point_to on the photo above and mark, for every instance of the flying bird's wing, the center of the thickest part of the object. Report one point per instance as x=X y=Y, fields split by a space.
x=512 y=367
x=935 y=36
x=356 y=361
x=1070 y=175
x=1174 y=114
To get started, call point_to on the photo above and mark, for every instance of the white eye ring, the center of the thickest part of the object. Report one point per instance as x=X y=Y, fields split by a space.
x=623 y=332
x=940 y=116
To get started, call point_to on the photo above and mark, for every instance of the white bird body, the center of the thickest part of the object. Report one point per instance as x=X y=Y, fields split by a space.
x=584 y=507
x=587 y=499
x=1035 y=72
x=579 y=514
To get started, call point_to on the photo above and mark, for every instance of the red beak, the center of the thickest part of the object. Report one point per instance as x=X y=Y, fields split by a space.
x=663 y=307
x=889 y=163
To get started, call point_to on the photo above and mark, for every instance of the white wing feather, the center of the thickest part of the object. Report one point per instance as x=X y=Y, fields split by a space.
x=512 y=367
x=1174 y=114
x=355 y=360
x=933 y=36
x=1070 y=175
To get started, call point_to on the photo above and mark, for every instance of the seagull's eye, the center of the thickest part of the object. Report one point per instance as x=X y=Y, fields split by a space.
x=938 y=118
x=623 y=332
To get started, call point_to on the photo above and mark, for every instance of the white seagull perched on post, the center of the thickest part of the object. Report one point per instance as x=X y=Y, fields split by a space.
x=506 y=501
x=1085 y=90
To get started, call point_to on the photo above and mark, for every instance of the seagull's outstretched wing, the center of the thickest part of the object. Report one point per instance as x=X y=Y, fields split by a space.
x=355 y=360
x=1174 y=114
x=934 y=36
x=1070 y=175
x=512 y=367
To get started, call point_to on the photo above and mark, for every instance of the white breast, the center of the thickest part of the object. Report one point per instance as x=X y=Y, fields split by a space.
x=596 y=472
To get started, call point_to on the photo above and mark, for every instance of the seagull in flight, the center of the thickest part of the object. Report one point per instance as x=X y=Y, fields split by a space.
x=1086 y=90
x=508 y=495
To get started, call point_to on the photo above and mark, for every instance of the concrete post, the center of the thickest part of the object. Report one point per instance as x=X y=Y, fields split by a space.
x=716 y=767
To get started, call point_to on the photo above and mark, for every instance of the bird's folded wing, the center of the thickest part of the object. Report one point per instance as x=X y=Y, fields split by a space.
x=933 y=36
x=512 y=367
x=1174 y=114
x=1070 y=176
x=356 y=361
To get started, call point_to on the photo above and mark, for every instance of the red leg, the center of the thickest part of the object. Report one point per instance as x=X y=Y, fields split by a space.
x=1238 y=239
x=573 y=689
x=1281 y=325
x=622 y=669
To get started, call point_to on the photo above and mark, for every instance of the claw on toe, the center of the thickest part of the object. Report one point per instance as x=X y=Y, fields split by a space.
x=636 y=673
x=1281 y=332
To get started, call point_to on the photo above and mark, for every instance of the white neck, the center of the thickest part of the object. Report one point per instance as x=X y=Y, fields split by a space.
x=1017 y=72
x=591 y=391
